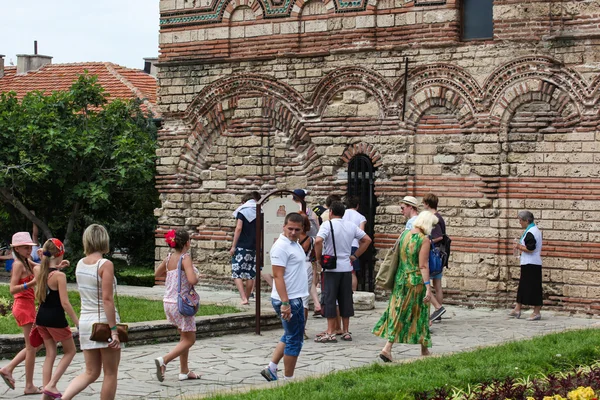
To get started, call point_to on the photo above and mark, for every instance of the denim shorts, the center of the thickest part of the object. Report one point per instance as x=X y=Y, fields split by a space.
x=437 y=276
x=293 y=335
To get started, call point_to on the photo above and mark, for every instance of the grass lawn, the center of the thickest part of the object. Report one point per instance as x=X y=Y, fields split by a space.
x=132 y=309
x=555 y=352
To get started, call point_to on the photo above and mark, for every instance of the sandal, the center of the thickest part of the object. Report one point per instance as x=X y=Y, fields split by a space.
x=324 y=333
x=160 y=363
x=385 y=357
x=326 y=339
x=189 y=376
x=39 y=390
x=52 y=395
x=347 y=336
x=9 y=380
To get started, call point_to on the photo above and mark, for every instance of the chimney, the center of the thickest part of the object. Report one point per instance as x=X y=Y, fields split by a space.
x=31 y=62
x=150 y=65
x=1 y=65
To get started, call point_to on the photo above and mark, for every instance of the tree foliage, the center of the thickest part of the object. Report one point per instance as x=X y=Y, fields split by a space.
x=76 y=158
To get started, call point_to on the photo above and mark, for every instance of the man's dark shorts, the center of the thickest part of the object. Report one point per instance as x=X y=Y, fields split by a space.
x=338 y=286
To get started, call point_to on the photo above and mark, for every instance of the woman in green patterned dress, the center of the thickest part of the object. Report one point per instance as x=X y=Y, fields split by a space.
x=406 y=319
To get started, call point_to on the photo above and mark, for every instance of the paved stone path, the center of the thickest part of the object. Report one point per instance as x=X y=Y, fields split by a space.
x=234 y=362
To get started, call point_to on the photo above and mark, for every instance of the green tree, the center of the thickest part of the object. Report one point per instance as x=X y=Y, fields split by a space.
x=76 y=158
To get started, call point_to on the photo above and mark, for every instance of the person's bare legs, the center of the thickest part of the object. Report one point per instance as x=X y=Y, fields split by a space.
x=93 y=367
x=278 y=353
x=110 y=365
x=536 y=310
x=69 y=351
x=354 y=281
x=289 y=365
x=387 y=350
x=331 y=326
x=50 y=346
x=346 y=324
x=29 y=362
x=240 y=287
x=8 y=369
x=249 y=287
x=313 y=292
x=424 y=351
x=338 y=323
x=267 y=278
x=439 y=295
x=187 y=340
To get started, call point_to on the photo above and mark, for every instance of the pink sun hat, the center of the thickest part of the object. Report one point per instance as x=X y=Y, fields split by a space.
x=22 y=239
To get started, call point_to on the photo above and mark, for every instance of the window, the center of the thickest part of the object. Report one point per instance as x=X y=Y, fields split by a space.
x=477 y=19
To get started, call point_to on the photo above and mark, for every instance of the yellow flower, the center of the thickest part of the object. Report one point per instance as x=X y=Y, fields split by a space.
x=581 y=393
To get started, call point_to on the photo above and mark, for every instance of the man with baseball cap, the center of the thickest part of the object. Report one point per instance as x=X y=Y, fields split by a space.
x=409 y=206
x=314 y=222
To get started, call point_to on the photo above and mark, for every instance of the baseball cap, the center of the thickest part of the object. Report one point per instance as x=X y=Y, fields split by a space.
x=300 y=193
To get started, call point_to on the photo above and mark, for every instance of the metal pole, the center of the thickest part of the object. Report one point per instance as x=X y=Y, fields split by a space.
x=259 y=263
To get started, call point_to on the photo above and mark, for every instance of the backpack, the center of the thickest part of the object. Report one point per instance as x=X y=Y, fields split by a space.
x=314 y=229
x=445 y=249
x=319 y=210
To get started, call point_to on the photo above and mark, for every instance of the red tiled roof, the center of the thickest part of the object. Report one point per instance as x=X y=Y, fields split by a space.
x=117 y=81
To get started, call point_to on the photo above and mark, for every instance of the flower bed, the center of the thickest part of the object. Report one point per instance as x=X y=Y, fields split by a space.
x=582 y=383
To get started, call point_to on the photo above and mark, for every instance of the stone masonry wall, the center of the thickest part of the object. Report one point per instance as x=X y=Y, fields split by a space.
x=491 y=127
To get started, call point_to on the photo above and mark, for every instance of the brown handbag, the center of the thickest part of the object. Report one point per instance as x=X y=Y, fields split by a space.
x=101 y=330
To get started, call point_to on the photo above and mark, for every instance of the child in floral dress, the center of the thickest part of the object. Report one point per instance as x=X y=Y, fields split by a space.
x=179 y=241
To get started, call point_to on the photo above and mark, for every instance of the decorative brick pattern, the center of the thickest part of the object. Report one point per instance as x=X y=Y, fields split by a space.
x=262 y=103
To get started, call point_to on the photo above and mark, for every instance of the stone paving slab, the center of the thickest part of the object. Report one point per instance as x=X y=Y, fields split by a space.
x=234 y=362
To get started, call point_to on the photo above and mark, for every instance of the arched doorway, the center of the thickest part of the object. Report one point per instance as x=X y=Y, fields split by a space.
x=361 y=183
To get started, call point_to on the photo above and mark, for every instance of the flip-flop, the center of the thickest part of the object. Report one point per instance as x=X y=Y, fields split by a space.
x=40 y=390
x=51 y=394
x=10 y=382
x=385 y=358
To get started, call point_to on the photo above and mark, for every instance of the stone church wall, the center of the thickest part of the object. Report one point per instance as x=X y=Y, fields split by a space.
x=257 y=96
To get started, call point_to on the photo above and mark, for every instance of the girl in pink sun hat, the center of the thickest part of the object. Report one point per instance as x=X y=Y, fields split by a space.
x=22 y=284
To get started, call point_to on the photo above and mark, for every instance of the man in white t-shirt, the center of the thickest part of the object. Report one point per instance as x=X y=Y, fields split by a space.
x=290 y=284
x=409 y=206
x=359 y=220
x=338 y=281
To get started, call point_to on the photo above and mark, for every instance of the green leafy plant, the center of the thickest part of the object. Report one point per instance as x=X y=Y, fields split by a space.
x=75 y=158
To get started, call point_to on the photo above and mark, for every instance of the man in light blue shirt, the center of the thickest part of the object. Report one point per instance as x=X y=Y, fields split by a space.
x=409 y=206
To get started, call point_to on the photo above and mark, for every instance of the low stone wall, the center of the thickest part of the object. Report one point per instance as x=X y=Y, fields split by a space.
x=150 y=332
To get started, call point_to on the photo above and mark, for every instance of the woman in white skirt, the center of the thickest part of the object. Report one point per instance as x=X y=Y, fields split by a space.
x=96 y=281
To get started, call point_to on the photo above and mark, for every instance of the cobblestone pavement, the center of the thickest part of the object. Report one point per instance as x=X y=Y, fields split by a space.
x=234 y=362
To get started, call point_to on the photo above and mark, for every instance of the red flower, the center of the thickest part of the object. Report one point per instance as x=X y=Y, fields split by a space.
x=170 y=238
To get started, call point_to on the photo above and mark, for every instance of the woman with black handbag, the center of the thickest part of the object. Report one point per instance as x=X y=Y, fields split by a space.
x=96 y=283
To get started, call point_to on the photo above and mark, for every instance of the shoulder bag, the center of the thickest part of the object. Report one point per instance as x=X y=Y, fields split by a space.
x=329 y=262
x=435 y=260
x=387 y=270
x=188 y=302
x=101 y=330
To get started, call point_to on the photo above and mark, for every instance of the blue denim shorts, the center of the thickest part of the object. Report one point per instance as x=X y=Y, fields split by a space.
x=437 y=276
x=293 y=335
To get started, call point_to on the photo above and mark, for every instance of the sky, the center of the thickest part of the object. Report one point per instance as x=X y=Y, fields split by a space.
x=118 y=31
